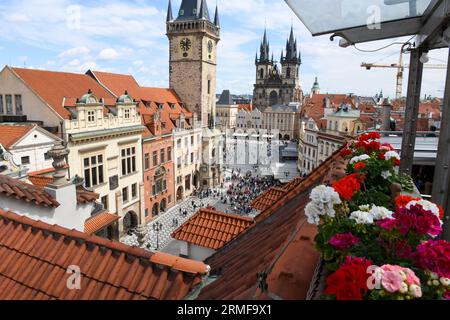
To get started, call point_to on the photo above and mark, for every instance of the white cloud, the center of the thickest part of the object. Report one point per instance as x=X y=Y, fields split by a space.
x=109 y=54
x=17 y=17
x=74 y=52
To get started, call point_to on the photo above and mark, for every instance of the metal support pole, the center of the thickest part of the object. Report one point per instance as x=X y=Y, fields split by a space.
x=412 y=111
x=441 y=181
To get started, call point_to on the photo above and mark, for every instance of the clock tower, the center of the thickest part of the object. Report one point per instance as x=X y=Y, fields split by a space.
x=193 y=38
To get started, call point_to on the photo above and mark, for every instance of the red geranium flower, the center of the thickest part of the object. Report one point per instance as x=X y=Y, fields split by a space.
x=374 y=135
x=402 y=200
x=396 y=162
x=360 y=165
x=346 y=152
x=349 y=282
x=416 y=219
x=434 y=255
x=347 y=186
x=343 y=241
x=381 y=156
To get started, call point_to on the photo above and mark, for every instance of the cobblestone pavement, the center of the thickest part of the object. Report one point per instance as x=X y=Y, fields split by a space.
x=157 y=241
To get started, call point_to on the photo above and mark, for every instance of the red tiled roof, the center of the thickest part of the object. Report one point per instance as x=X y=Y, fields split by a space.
x=211 y=229
x=40 y=181
x=27 y=192
x=248 y=107
x=84 y=196
x=265 y=200
x=55 y=87
x=36 y=257
x=280 y=245
x=117 y=83
x=10 y=134
x=99 y=221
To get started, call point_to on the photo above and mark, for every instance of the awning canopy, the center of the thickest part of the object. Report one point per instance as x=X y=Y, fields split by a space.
x=369 y=20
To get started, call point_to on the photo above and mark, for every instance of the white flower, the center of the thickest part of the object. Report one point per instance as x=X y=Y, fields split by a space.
x=322 y=203
x=361 y=217
x=365 y=207
x=325 y=195
x=391 y=154
x=426 y=205
x=359 y=158
x=445 y=281
x=379 y=213
x=386 y=174
x=415 y=291
x=403 y=288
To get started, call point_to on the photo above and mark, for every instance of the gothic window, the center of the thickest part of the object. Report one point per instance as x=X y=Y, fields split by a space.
x=261 y=73
x=288 y=72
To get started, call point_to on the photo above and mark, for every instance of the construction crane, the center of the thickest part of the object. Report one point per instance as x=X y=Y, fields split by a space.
x=401 y=68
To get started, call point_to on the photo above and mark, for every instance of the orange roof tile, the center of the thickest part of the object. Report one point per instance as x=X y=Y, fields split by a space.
x=55 y=87
x=36 y=257
x=84 y=196
x=279 y=244
x=10 y=134
x=27 y=192
x=99 y=221
x=40 y=181
x=211 y=229
x=116 y=83
x=267 y=199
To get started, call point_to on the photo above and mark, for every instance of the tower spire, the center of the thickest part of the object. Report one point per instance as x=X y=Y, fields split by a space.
x=204 y=13
x=169 y=12
x=216 y=17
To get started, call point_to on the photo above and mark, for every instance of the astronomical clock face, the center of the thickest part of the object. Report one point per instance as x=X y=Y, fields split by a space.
x=185 y=44
x=210 y=46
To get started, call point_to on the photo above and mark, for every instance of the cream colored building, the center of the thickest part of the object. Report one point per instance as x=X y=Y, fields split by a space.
x=307 y=147
x=106 y=150
x=284 y=118
x=226 y=111
x=187 y=157
x=343 y=120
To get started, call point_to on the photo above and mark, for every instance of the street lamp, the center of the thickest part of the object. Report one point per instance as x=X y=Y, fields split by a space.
x=157 y=227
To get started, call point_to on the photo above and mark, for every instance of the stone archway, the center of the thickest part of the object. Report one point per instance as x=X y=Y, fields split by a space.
x=130 y=221
x=155 y=210
x=196 y=180
x=180 y=193
x=163 y=205
x=273 y=98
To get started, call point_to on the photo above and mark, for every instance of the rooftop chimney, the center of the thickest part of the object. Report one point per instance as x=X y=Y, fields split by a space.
x=59 y=152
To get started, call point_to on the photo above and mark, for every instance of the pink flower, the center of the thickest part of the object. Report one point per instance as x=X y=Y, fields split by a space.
x=343 y=241
x=434 y=256
x=392 y=280
x=411 y=277
x=446 y=295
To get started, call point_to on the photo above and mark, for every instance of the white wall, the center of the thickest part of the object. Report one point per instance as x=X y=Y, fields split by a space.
x=69 y=214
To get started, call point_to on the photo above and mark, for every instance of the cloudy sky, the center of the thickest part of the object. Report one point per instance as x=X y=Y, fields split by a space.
x=129 y=37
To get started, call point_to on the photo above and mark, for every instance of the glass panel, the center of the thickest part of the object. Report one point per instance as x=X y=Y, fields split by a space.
x=94 y=176
x=128 y=165
x=124 y=167
x=133 y=164
x=1 y=104
x=87 y=178
x=326 y=16
x=93 y=160
x=100 y=174
x=9 y=108
x=100 y=159
x=86 y=162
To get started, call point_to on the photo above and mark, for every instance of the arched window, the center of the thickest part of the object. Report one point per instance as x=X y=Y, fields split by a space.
x=261 y=73
x=288 y=72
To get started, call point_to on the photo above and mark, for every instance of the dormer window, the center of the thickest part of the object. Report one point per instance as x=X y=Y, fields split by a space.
x=181 y=12
x=127 y=113
x=160 y=105
x=91 y=116
x=172 y=105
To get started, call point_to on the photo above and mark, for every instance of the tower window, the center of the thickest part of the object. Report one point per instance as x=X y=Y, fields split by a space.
x=261 y=73
x=209 y=86
x=288 y=72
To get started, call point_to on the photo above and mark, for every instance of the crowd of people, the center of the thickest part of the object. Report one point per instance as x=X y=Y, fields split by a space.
x=243 y=189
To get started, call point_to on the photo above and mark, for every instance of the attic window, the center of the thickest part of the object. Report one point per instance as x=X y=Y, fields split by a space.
x=194 y=11
x=127 y=113
x=91 y=116
x=181 y=12
x=163 y=125
x=160 y=105
x=172 y=106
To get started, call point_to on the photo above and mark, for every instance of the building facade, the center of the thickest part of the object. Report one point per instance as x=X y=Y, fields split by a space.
x=106 y=151
x=273 y=85
x=226 y=111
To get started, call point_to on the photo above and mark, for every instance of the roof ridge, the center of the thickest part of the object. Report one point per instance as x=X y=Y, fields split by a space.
x=92 y=239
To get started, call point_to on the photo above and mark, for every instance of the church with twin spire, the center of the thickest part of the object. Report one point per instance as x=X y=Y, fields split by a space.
x=275 y=85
